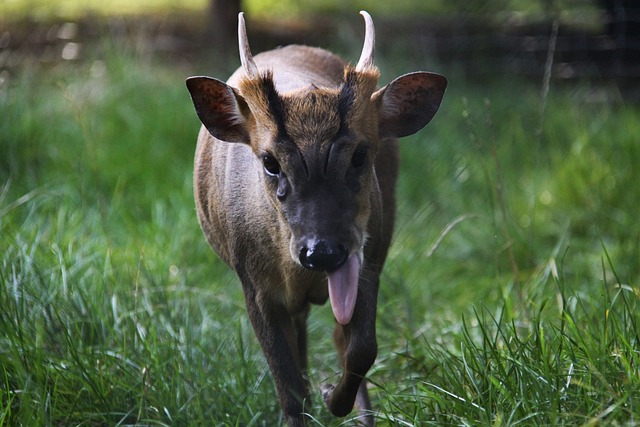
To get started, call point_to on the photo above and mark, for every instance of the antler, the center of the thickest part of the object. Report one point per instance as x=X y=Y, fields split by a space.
x=246 y=58
x=366 y=58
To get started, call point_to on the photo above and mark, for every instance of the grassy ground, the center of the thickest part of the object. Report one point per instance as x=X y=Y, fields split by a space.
x=511 y=295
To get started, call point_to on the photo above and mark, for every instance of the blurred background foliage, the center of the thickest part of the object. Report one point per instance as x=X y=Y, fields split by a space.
x=43 y=9
x=487 y=33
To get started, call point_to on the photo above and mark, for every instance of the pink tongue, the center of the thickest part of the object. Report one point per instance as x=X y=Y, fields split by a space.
x=343 y=289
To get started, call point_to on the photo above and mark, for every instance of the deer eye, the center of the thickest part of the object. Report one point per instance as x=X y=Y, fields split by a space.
x=271 y=165
x=359 y=157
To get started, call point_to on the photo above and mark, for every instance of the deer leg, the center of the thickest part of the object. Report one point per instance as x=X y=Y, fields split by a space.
x=362 y=402
x=300 y=326
x=276 y=333
x=357 y=346
x=363 y=405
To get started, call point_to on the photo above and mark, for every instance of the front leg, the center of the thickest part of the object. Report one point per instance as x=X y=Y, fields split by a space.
x=275 y=331
x=357 y=347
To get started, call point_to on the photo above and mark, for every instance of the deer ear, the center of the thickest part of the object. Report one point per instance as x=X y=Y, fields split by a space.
x=219 y=108
x=408 y=103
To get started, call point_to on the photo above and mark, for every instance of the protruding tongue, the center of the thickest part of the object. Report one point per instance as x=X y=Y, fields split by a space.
x=343 y=289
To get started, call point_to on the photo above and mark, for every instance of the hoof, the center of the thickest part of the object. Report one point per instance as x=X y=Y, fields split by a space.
x=326 y=391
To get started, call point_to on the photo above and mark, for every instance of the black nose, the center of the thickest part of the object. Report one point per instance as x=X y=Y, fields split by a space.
x=323 y=255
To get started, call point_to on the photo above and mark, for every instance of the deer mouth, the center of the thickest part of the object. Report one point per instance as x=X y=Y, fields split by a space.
x=343 y=288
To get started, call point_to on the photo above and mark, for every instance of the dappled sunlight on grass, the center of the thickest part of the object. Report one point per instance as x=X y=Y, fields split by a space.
x=576 y=13
x=69 y=9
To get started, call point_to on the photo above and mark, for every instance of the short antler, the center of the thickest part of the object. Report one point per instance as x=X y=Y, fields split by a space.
x=246 y=58
x=366 y=58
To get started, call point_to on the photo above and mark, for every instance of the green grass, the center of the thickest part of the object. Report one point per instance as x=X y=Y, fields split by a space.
x=510 y=295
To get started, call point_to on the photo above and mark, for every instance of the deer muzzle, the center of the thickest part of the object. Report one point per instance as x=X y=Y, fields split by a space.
x=343 y=274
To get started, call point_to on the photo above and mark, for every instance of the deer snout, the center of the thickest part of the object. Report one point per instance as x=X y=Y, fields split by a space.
x=323 y=255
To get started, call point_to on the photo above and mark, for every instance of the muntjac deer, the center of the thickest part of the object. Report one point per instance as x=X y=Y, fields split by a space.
x=295 y=174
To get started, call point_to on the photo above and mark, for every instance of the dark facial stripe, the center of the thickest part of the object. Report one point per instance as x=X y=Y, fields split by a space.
x=276 y=107
x=346 y=98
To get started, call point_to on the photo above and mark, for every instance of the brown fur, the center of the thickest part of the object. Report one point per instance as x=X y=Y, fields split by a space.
x=312 y=115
